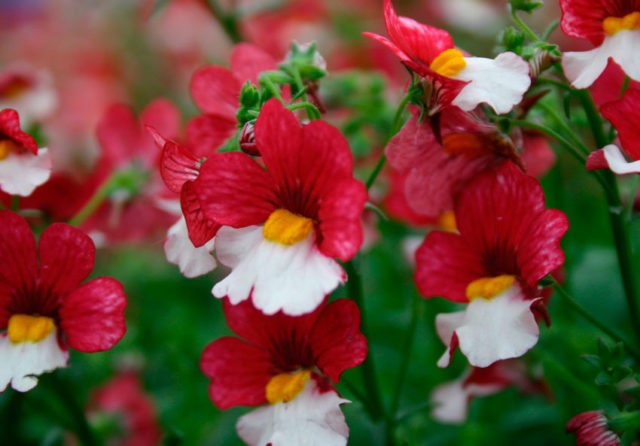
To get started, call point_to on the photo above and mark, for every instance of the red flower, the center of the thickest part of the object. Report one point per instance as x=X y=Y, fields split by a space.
x=504 y=229
x=216 y=91
x=325 y=343
x=591 y=430
x=44 y=306
x=292 y=217
x=124 y=397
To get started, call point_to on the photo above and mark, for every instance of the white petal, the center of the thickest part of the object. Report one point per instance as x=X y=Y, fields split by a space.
x=499 y=82
x=180 y=251
x=582 y=68
x=501 y=328
x=446 y=324
x=20 y=174
x=311 y=419
x=21 y=363
x=294 y=279
x=618 y=163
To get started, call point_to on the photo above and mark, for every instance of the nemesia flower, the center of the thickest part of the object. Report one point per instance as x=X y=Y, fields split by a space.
x=452 y=399
x=437 y=170
x=290 y=363
x=23 y=166
x=136 y=210
x=456 y=79
x=44 y=307
x=124 y=398
x=591 y=429
x=612 y=26
x=29 y=91
x=283 y=224
x=507 y=242
x=216 y=91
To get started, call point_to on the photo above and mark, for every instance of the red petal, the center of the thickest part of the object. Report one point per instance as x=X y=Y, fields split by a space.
x=420 y=42
x=336 y=340
x=177 y=166
x=239 y=372
x=10 y=128
x=18 y=264
x=200 y=228
x=207 y=133
x=540 y=252
x=624 y=114
x=249 y=60
x=583 y=18
x=596 y=160
x=608 y=86
x=119 y=134
x=234 y=190
x=340 y=219
x=254 y=326
x=163 y=116
x=92 y=316
x=66 y=258
x=215 y=91
x=445 y=265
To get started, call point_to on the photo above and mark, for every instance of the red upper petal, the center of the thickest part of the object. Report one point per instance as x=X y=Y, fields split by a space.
x=118 y=134
x=336 y=340
x=234 y=190
x=92 y=316
x=10 y=128
x=422 y=43
x=248 y=61
x=445 y=265
x=66 y=258
x=583 y=18
x=200 y=228
x=340 y=219
x=239 y=372
x=624 y=114
x=18 y=264
x=206 y=133
x=215 y=91
x=177 y=166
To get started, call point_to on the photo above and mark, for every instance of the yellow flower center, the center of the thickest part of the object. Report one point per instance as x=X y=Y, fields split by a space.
x=286 y=228
x=447 y=221
x=284 y=387
x=25 y=328
x=489 y=287
x=612 y=25
x=6 y=147
x=449 y=62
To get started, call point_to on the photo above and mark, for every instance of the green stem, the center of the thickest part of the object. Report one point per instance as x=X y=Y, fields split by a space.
x=565 y=128
x=595 y=322
x=312 y=111
x=617 y=217
x=406 y=354
x=15 y=203
x=98 y=198
x=354 y=287
x=228 y=21
x=67 y=397
x=395 y=127
x=523 y=26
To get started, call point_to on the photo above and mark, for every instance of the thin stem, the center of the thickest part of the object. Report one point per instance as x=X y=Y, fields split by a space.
x=595 y=123
x=406 y=354
x=395 y=127
x=354 y=287
x=564 y=127
x=523 y=26
x=98 y=198
x=312 y=111
x=228 y=21
x=15 y=203
x=595 y=322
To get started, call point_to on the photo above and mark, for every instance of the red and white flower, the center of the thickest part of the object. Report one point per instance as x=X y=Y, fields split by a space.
x=612 y=26
x=44 y=307
x=23 y=166
x=457 y=79
x=507 y=242
x=283 y=220
x=290 y=363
